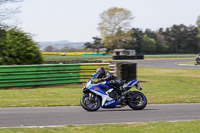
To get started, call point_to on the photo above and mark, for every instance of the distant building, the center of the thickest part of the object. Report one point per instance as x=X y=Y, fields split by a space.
x=122 y=52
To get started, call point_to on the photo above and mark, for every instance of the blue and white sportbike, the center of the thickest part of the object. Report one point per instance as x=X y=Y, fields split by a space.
x=101 y=95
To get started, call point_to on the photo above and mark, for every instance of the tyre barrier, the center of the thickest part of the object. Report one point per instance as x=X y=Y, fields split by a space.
x=135 y=57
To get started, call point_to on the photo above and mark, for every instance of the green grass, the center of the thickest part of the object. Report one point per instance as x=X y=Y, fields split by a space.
x=73 y=57
x=170 y=85
x=145 y=127
x=188 y=63
x=43 y=96
x=160 y=85
x=172 y=56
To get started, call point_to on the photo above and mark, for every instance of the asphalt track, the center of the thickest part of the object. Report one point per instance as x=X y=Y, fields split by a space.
x=65 y=115
x=166 y=63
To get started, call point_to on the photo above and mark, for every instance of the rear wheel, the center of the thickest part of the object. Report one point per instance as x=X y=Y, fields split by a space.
x=136 y=100
x=90 y=103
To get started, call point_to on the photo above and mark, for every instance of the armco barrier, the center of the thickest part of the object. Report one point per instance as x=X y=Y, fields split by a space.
x=31 y=75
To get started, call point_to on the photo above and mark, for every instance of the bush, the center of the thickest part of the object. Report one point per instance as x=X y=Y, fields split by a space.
x=17 y=48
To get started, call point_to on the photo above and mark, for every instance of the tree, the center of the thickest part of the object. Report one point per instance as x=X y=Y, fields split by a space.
x=119 y=40
x=148 y=45
x=95 y=45
x=89 y=45
x=7 y=13
x=114 y=21
x=49 y=49
x=136 y=41
x=198 y=25
x=182 y=39
x=161 y=44
x=17 y=48
x=192 y=42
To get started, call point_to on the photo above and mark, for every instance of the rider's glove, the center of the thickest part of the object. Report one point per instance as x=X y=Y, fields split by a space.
x=99 y=80
x=94 y=75
x=96 y=82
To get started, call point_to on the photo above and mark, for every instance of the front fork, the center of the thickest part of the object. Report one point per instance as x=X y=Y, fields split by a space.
x=92 y=97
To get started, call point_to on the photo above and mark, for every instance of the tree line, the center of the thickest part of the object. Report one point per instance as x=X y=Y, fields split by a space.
x=116 y=33
x=177 y=39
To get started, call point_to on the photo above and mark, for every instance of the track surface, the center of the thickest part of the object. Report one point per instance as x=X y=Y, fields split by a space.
x=166 y=63
x=52 y=116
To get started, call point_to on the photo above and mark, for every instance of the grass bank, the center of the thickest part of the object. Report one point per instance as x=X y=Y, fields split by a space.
x=74 y=57
x=164 y=85
x=78 y=57
x=145 y=127
x=171 y=56
x=187 y=63
x=160 y=85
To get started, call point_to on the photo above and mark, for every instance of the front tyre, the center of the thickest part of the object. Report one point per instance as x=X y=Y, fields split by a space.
x=136 y=100
x=90 y=104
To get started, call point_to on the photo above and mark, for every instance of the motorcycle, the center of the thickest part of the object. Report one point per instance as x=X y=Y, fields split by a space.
x=100 y=95
x=198 y=60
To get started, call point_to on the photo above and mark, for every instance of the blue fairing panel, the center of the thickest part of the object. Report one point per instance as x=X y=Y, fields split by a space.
x=104 y=86
x=131 y=82
x=98 y=89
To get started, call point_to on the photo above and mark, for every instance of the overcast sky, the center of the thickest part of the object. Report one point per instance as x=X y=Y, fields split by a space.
x=77 y=20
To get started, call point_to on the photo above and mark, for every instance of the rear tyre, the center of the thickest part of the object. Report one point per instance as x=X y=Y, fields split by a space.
x=137 y=100
x=90 y=104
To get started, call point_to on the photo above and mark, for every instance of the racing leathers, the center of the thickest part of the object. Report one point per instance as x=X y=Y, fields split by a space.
x=113 y=82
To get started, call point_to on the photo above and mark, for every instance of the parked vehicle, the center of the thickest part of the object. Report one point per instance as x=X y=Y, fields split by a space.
x=101 y=95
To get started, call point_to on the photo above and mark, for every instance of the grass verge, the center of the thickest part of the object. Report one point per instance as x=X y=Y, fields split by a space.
x=145 y=127
x=171 y=56
x=187 y=63
x=74 y=57
x=160 y=85
x=164 y=85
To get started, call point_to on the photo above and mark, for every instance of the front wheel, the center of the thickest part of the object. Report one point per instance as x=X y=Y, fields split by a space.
x=90 y=103
x=136 y=100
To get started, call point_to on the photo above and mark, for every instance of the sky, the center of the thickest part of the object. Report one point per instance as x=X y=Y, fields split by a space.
x=77 y=20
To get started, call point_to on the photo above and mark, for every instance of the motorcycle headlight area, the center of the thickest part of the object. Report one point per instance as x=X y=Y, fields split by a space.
x=84 y=87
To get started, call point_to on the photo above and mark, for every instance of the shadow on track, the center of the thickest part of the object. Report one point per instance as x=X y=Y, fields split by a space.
x=114 y=109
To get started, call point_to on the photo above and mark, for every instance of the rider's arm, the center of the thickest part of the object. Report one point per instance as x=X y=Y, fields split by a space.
x=108 y=77
x=94 y=75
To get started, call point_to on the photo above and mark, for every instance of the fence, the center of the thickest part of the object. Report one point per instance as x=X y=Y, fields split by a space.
x=30 y=75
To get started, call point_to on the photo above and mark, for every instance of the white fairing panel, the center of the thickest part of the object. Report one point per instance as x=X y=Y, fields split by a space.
x=104 y=97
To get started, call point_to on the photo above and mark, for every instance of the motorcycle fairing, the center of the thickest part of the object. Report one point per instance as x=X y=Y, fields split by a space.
x=111 y=103
x=97 y=87
x=132 y=83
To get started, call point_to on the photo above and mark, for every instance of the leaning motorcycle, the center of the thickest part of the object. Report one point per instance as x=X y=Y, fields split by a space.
x=198 y=60
x=101 y=95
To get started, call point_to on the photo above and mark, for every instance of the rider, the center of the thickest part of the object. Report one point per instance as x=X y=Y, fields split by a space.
x=110 y=79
